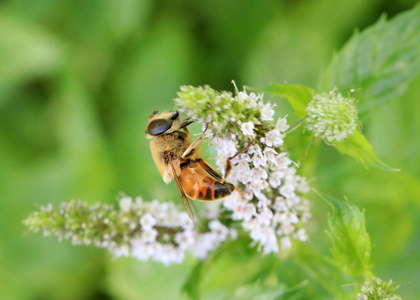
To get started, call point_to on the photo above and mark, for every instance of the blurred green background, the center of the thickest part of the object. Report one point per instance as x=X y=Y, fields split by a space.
x=78 y=80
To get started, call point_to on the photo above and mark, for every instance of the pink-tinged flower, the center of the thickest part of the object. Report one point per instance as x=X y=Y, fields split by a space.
x=274 y=138
x=270 y=155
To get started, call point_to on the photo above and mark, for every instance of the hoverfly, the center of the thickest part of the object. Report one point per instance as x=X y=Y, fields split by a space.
x=176 y=157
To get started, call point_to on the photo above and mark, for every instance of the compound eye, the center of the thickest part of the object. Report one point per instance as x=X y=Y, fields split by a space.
x=159 y=126
x=175 y=115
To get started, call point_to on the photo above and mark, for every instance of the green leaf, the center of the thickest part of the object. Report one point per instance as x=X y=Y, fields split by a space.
x=298 y=95
x=352 y=249
x=358 y=147
x=191 y=286
x=378 y=63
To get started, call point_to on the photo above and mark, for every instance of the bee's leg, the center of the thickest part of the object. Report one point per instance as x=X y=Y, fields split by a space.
x=185 y=123
x=228 y=165
x=213 y=173
x=193 y=145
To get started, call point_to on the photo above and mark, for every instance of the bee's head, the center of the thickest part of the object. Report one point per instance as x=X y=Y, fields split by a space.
x=165 y=122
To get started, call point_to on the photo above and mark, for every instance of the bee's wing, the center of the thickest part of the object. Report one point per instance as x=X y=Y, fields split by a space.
x=188 y=205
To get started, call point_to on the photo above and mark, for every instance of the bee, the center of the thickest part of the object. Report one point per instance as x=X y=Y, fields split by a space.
x=176 y=157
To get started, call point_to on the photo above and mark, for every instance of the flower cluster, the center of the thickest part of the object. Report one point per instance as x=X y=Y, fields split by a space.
x=144 y=230
x=242 y=117
x=331 y=116
x=375 y=288
x=270 y=205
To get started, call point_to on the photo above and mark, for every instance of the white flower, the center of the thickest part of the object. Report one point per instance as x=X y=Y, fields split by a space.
x=282 y=125
x=149 y=236
x=185 y=221
x=258 y=174
x=258 y=186
x=204 y=243
x=254 y=149
x=301 y=235
x=121 y=251
x=215 y=225
x=259 y=160
x=244 y=211
x=303 y=186
x=242 y=172
x=169 y=255
x=244 y=157
x=219 y=229
x=242 y=96
x=286 y=242
x=283 y=162
x=279 y=204
x=184 y=239
x=141 y=251
x=275 y=179
x=270 y=154
x=125 y=204
x=267 y=112
x=267 y=237
x=231 y=201
x=293 y=218
x=287 y=190
x=147 y=222
x=265 y=216
x=263 y=200
x=225 y=147
x=247 y=128
x=274 y=138
x=253 y=100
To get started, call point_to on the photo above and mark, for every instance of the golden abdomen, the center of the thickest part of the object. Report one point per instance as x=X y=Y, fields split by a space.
x=199 y=186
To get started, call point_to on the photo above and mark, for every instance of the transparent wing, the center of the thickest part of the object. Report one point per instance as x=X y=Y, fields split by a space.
x=188 y=205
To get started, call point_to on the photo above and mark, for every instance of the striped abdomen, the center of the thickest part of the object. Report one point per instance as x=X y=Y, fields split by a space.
x=200 y=186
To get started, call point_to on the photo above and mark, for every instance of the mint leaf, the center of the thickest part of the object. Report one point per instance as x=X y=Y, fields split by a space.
x=381 y=61
x=352 y=249
x=357 y=146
